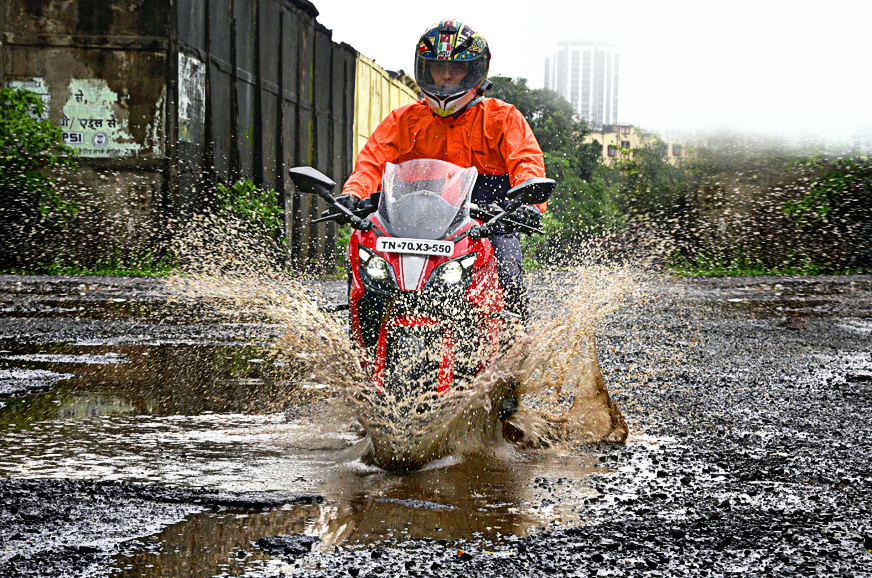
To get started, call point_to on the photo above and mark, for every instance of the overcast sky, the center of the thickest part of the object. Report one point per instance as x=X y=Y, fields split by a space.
x=773 y=66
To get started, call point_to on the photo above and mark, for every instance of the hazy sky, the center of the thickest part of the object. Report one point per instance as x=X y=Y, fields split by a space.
x=773 y=66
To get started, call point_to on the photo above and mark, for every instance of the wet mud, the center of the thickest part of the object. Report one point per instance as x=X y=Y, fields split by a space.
x=747 y=401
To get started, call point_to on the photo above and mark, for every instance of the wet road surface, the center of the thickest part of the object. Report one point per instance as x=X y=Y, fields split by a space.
x=748 y=402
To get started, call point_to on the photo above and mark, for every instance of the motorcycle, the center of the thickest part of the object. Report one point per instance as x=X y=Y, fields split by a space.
x=425 y=304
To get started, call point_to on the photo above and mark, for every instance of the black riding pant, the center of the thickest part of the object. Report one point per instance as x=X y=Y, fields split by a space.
x=510 y=270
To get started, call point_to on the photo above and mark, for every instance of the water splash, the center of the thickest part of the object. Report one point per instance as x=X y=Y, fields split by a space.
x=552 y=371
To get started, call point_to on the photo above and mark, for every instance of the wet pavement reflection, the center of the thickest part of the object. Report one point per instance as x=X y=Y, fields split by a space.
x=215 y=416
x=363 y=508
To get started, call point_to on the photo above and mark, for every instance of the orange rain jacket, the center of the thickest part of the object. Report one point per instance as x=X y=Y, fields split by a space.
x=493 y=136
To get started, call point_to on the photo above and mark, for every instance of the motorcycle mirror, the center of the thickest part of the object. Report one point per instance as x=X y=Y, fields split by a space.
x=308 y=180
x=532 y=191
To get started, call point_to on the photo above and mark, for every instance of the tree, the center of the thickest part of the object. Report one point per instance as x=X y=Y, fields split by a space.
x=582 y=203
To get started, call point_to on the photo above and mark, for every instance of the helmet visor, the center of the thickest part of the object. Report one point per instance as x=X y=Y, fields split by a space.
x=444 y=78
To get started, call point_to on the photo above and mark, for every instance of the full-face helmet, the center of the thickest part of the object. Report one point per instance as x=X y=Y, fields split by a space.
x=451 y=65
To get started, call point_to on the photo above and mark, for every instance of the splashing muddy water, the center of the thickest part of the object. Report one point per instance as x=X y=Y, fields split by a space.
x=552 y=370
x=241 y=384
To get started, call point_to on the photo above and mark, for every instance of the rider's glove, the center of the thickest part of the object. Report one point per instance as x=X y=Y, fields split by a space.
x=527 y=215
x=350 y=202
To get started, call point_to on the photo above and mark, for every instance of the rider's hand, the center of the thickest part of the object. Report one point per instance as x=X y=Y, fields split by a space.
x=350 y=202
x=527 y=215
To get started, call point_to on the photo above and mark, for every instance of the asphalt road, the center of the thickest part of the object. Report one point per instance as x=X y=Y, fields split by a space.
x=749 y=402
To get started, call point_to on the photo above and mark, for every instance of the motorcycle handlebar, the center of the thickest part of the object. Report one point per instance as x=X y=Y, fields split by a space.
x=369 y=206
x=331 y=216
x=483 y=215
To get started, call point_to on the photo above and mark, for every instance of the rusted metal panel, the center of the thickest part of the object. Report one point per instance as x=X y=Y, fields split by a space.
x=322 y=86
x=243 y=17
x=193 y=148
x=220 y=81
x=304 y=206
x=219 y=47
x=193 y=30
x=289 y=82
x=269 y=22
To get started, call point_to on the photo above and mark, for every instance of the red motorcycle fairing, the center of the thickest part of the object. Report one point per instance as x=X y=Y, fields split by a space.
x=411 y=300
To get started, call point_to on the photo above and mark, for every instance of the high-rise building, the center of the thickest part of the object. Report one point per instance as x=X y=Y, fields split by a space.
x=585 y=72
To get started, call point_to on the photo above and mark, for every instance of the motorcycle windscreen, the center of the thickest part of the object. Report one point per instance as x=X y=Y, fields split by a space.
x=425 y=198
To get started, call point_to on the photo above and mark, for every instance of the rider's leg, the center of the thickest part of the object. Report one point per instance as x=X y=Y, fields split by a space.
x=507 y=250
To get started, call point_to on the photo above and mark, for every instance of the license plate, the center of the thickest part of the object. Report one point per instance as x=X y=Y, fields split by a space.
x=414 y=246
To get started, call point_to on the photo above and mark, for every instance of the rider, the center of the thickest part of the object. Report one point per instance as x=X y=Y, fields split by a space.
x=456 y=123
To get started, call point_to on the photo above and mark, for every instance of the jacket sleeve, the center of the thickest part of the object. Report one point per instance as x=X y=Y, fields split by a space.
x=520 y=149
x=381 y=148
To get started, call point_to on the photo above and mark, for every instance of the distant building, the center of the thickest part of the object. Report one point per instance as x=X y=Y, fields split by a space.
x=620 y=140
x=585 y=72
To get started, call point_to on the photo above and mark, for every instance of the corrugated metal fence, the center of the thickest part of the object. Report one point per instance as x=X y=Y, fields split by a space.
x=162 y=98
x=377 y=93
x=277 y=92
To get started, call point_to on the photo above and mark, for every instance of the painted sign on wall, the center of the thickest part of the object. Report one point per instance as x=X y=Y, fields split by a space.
x=38 y=86
x=192 y=98
x=93 y=121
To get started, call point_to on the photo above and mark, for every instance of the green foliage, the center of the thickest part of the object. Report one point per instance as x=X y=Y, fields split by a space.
x=753 y=206
x=706 y=264
x=733 y=205
x=647 y=184
x=28 y=146
x=591 y=208
x=251 y=216
x=138 y=264
x=247 y=203
x=843 y=182
x=343 y=238
x=582 y=203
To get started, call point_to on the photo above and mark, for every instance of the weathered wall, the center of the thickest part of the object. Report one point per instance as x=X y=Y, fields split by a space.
x=102 y=67
x=163 y=98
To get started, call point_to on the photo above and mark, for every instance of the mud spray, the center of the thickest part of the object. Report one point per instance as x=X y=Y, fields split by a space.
x=552 y=370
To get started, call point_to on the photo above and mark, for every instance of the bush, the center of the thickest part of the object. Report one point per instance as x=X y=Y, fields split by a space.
x=31 y=204
x=242 y=233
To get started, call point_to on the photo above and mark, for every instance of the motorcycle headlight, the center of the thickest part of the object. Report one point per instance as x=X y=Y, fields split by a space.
x=376 y=268
x=453 y=272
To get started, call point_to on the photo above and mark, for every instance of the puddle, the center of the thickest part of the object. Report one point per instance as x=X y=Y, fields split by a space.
x=205 y=399
x=68 y=359
x=452 y=502
x=780 y=298
x=859 y=326
x=212 y=416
